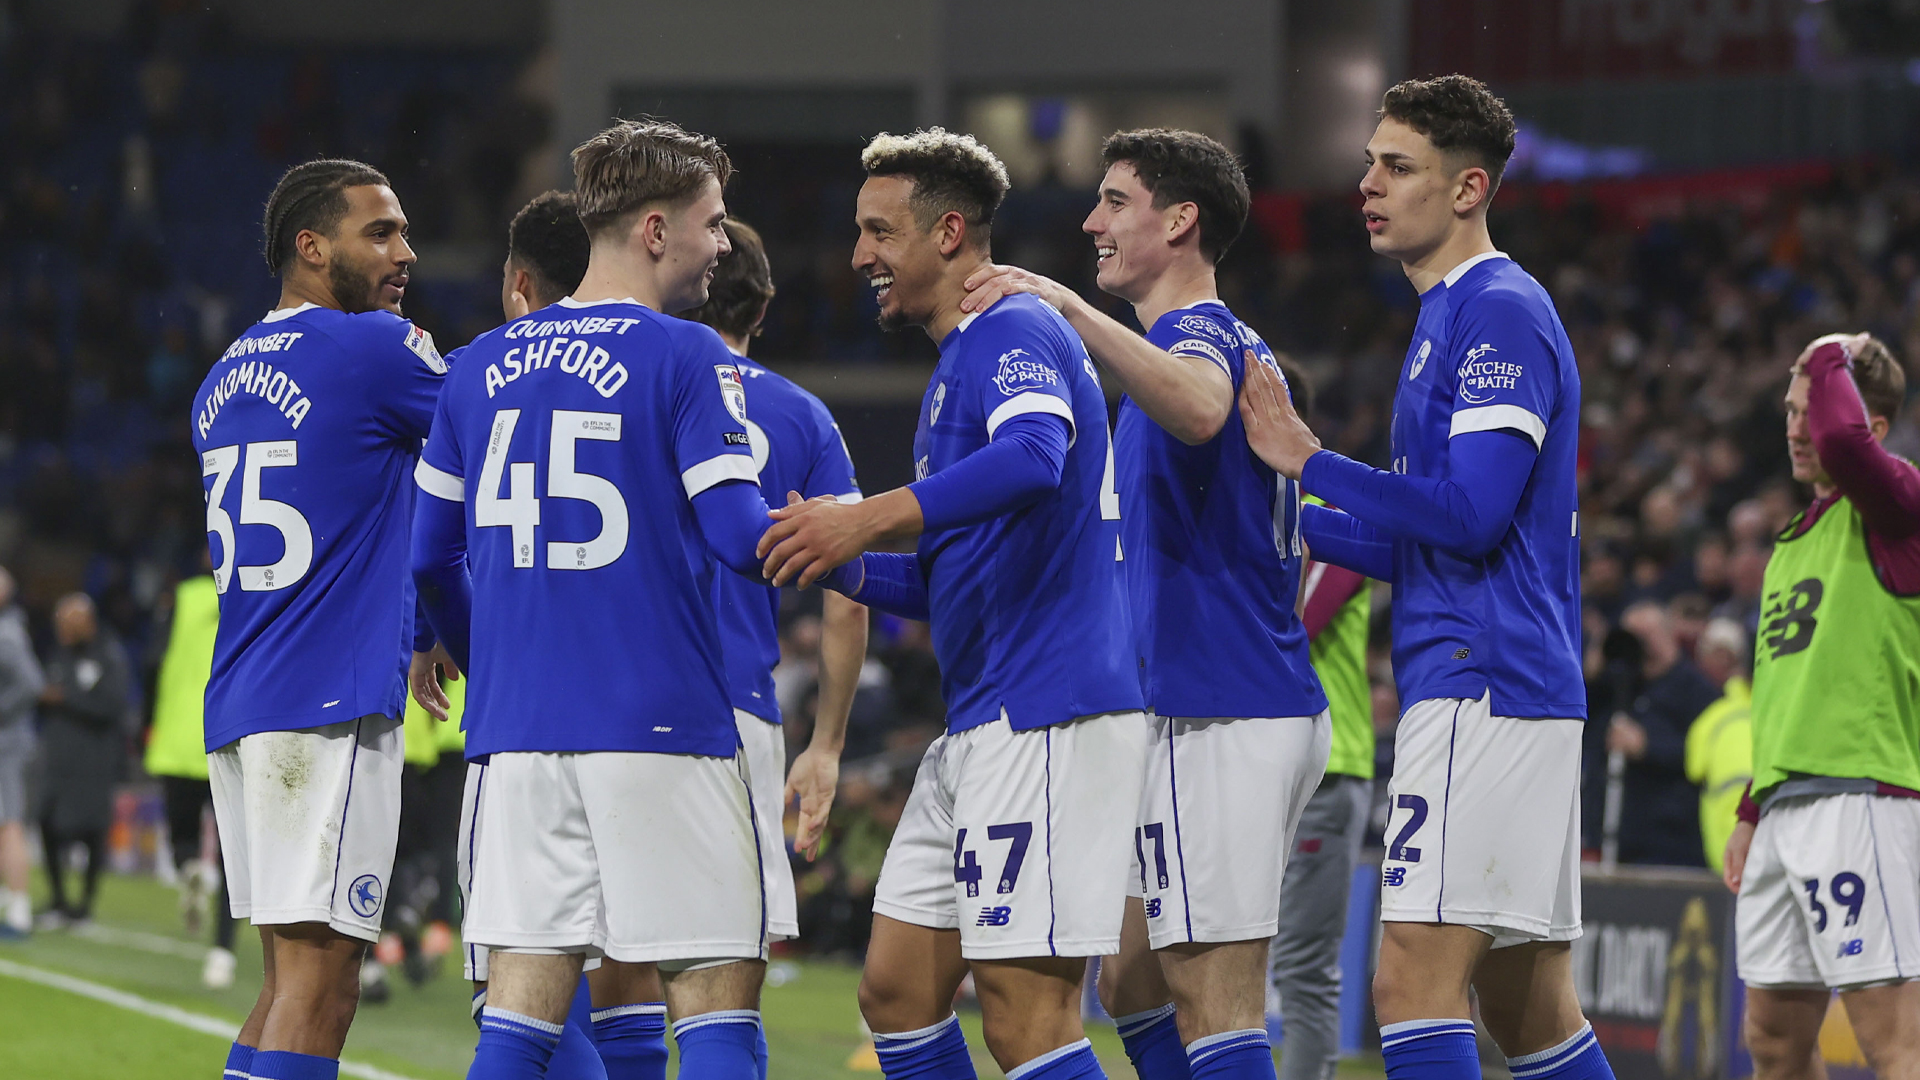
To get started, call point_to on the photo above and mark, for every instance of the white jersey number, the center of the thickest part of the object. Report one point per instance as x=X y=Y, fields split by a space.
x=1110 y=499
x=296 y=535
x=520 y=510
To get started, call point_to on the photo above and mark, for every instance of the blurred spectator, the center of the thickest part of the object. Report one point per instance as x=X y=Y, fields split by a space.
x=177 y=755
x=1720 y=742
x=20 y=684
x=83 y=710
x=1659 y=818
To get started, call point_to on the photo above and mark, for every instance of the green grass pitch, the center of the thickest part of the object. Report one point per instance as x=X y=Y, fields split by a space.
x=139 y=948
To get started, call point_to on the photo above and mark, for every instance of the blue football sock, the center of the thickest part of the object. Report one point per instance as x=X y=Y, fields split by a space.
x=239 y=1062
x=1074 y=1061
x=577 y=1058
x=1232 y=1055
x=719 y=1045
x=633 y=1040
x=513 y=1047
x=1152 y=1039
x=938 y=1052
x=760 y=1051
x=1579 y=1058
x=1430 y=1050
x=287 y=1065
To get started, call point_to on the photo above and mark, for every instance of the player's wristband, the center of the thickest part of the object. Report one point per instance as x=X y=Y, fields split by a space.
x=1749 y=811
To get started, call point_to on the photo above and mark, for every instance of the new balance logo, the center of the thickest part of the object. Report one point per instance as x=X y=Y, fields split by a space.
x=995 y=916
x=1153 y=908
x=1393 y=876
x=1852 y=948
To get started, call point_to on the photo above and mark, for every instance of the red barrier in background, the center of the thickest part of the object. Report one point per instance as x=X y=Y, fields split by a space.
x=1629 y=202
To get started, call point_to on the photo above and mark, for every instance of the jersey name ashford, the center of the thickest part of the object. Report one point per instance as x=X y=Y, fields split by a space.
x=572 y=355
x=259 y=378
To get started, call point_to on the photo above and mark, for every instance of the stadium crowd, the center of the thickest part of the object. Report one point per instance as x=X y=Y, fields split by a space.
x=123 y=278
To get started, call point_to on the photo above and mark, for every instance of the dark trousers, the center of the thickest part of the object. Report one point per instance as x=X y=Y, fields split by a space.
x=186 y=802
x=57 y=844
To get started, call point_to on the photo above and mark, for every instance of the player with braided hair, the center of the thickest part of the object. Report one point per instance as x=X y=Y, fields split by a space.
x=308 y=427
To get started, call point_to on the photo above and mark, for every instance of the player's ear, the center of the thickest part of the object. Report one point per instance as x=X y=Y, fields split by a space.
x=1472 y=190
x=950 y=232
x=652 y=231
x=312 y=248
x=522 y=293
x=1182 y=219
x=1879 y=426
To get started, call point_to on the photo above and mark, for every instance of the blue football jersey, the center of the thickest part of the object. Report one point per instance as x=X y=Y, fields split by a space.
x=796 y=447
x=576 y=437
x=1489 y=354
x=1213 y=554
x=1028 y=611
x=308 y=428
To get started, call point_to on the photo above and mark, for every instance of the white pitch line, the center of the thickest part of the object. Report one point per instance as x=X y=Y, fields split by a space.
x=159 y=944
x=205 y=1025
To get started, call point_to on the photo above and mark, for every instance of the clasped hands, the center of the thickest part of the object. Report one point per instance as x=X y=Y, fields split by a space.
x=809 y=537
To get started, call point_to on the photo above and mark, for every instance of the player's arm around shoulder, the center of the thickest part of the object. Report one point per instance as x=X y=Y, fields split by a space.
x=1185 y=391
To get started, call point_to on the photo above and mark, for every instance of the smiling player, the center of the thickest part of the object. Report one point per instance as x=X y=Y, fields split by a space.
x=587 y=462
x=1213 y=568
x=1011 y=856
x=1476 y=527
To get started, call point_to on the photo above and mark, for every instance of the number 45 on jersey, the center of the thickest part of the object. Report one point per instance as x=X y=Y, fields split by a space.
x=520 y=510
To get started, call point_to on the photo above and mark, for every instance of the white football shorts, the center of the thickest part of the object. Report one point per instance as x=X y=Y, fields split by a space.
x=764 y=746
x=1483 y=826
x=474 y=962
x=1216 y=822
x=309 y=821
x=1019 y=839
x=1831 y=894
x=642 y=858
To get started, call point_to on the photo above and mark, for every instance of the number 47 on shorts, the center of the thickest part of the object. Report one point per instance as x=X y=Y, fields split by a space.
x=966 y=866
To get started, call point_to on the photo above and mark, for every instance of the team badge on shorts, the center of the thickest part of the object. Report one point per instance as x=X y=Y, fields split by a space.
x=364 y=896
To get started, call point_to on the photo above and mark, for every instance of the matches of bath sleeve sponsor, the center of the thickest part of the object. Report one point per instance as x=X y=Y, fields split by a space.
x=576 y=438
x=1489 y=358
x=308 y=428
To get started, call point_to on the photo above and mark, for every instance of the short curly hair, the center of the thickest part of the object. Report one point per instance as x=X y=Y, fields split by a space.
x=1456 y=113
x=742 y=284
x=1186 y=166
x=951 y=173
x=547 y=240
x=636 y=162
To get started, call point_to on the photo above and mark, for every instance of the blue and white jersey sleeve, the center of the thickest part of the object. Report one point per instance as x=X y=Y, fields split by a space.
x=710 y=443
x=1027 y=375
x=440 y=472
x=1507 y=377
x=1202 y=335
